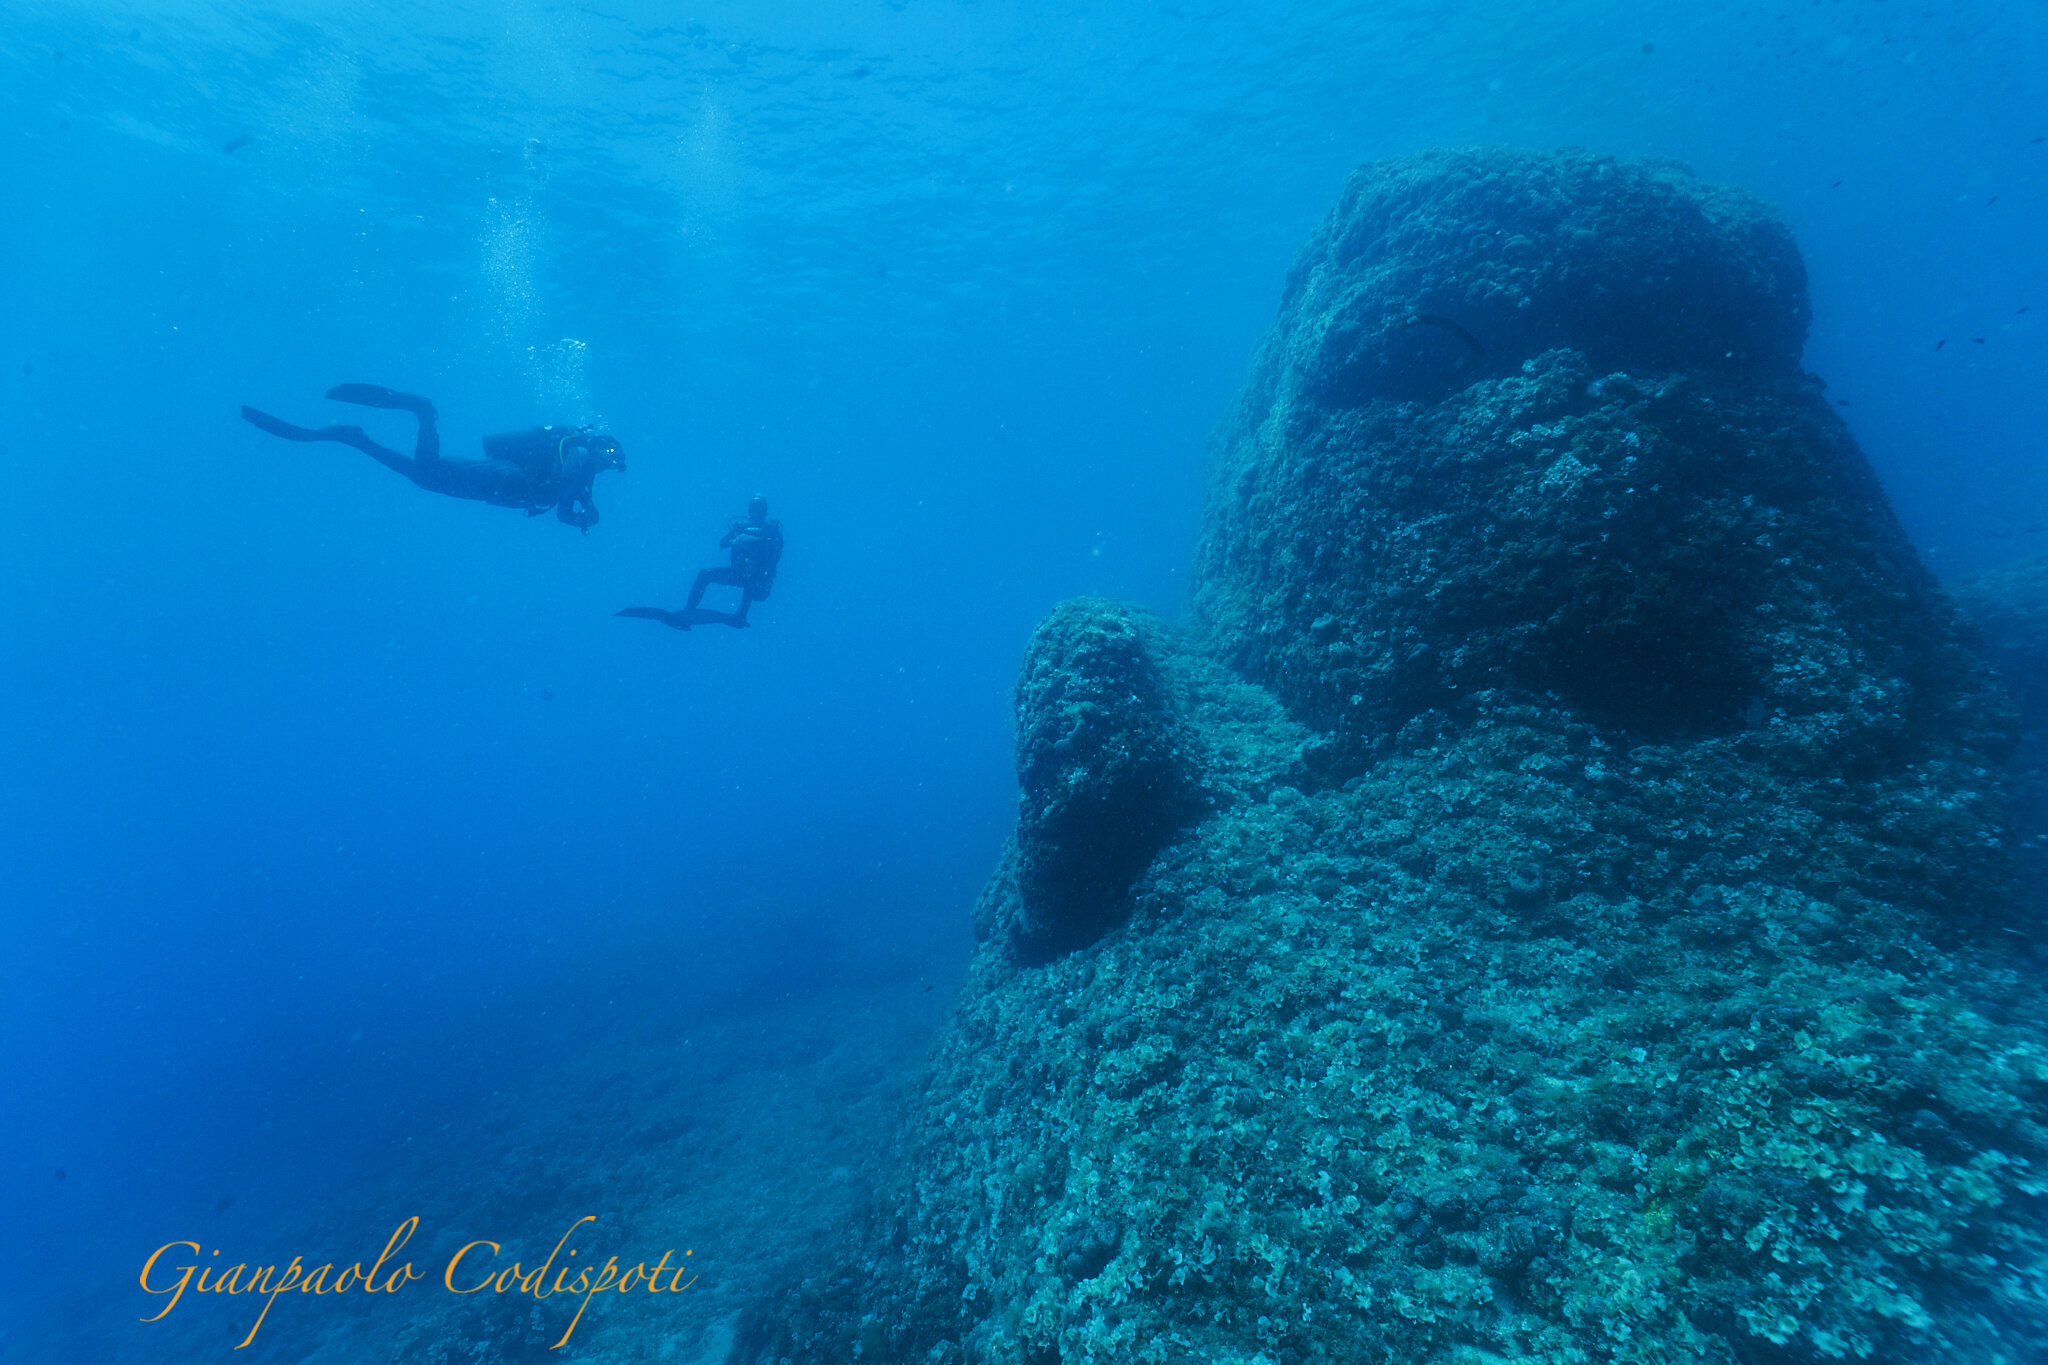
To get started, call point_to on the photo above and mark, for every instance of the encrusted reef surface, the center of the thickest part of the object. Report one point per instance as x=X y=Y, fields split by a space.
x=1632 y=499
x=1104 y=766
x=1576 y=931
x=2008 y=607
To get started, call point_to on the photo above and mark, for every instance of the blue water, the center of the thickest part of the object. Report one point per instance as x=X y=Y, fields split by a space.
x=327 y=805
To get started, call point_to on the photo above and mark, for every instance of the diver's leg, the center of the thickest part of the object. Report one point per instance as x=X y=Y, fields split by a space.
x=427 y=447
x=705 y=578
x=738 y=618
x=348 y=436
x=724 y=575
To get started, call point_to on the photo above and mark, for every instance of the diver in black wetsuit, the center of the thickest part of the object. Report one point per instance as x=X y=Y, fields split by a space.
x=756 y=545
x=534 y=470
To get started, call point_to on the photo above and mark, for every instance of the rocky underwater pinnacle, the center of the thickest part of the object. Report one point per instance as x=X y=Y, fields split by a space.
x=1634 y=500
x=1548 y=904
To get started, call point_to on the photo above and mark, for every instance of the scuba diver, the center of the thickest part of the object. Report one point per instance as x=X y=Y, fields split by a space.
x=537 y=469
x=756 y=545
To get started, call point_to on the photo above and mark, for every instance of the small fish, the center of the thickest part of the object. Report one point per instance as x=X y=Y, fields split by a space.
x=1841 y=402
x=63 y=1174
x=1837 y=185
x=226 y=1201
x=235 y=144
x=1941 y=343
x=2023 y=308
x=1978 y=340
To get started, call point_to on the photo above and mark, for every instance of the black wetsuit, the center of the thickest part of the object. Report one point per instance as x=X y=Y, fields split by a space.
x=756 y=552
x=535 y=470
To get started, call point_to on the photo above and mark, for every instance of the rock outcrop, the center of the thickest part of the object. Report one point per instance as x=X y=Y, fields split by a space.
x=1623 y=492
x=1584 y=941
x=1104 y=770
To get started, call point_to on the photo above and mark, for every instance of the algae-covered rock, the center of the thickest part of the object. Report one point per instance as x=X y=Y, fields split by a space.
x=2008 y=607
x=1632 y=500
x=1124 y=737
x=1603 y=959
x=1103 y=771
x=1435 y=269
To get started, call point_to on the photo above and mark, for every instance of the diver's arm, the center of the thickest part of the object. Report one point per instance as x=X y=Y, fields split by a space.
x=573 y=504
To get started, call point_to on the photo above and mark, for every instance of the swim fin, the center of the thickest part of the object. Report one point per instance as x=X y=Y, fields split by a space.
x=377 y=396
x=679 y=620
x=684 y=619
x=277 y=426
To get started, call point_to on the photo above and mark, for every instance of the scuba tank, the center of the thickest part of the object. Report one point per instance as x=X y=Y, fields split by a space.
x=537 y=450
